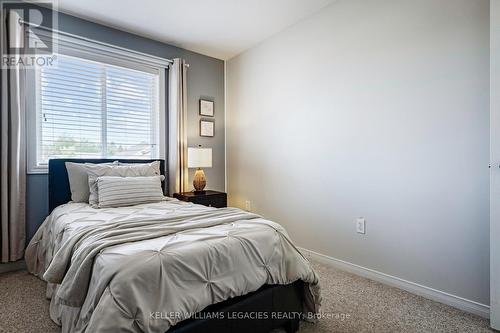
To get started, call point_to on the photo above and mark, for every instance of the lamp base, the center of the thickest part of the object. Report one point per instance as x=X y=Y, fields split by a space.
x=199 y=181
x=199 y=192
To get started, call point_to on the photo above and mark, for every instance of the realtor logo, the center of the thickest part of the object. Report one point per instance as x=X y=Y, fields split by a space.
x=28 y=37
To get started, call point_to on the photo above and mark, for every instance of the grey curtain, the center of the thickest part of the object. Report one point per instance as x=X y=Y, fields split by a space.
x=12 y=150
x=177 y=131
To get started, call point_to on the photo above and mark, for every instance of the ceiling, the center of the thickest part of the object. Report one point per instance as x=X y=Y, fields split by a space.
x=217 y=28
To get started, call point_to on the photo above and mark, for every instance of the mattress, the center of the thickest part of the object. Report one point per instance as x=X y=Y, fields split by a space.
x=116 y=269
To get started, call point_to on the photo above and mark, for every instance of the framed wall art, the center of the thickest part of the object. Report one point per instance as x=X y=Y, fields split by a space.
x=206 y=108
x=207 y=128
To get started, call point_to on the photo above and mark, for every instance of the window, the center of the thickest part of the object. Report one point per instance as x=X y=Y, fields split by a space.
x=100 y=101
x=88 y=109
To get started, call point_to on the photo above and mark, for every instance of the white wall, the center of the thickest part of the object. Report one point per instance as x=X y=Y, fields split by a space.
x=376 y=109
x=495 y=162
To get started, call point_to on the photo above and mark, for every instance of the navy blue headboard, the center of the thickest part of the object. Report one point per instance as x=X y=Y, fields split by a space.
x=59 y=191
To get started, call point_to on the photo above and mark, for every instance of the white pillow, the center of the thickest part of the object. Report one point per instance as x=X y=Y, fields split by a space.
x=129 y=170
x=79 y=179
x=135 y=164
x=128 y=191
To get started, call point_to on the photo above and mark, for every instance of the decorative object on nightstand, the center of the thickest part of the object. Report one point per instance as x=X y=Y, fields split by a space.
x=199 y=158
x=208 y=198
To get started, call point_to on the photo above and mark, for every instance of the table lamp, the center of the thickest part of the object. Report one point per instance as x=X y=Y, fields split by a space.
x=199 y=158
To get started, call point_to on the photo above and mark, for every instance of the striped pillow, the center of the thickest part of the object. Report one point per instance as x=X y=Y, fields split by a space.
x=129 y=170
x=115 y=191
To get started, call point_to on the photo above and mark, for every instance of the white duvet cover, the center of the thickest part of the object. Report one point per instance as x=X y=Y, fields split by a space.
x=115 y=269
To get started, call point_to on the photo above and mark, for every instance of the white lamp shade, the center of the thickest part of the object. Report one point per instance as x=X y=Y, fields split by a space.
x=199 y=157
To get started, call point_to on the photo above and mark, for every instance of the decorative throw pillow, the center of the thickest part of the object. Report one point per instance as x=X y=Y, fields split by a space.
x=128 y=191
x=79 y=179
x=129 y=170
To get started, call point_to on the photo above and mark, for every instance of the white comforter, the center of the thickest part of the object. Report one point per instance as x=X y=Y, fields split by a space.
x=117 y=268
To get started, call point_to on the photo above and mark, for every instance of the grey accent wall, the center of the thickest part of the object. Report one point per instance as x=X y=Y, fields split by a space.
x=377 y=109
x=205 y=79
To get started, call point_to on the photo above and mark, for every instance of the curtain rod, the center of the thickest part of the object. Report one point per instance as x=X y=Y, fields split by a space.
x=170 y=61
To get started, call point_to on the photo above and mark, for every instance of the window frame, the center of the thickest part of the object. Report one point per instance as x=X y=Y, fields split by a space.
x=89 y=50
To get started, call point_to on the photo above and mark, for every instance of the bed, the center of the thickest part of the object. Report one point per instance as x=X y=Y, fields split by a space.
x=169 y=266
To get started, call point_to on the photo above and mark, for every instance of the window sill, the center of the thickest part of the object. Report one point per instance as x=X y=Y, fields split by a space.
x=38 y=170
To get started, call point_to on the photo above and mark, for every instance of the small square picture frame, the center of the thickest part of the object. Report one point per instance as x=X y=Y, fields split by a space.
x=206 y=108
x=207 y=128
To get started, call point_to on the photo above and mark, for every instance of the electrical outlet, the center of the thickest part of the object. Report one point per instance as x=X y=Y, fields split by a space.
x=360 y=225
x=248 y=205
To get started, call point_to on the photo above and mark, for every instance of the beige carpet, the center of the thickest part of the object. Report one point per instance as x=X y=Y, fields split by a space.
x=370 y=306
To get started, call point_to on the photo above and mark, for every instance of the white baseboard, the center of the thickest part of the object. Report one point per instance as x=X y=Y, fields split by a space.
x=458 y=302
x=12 y=266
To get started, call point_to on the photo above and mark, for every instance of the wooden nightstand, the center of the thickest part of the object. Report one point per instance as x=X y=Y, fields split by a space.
x=209 y=198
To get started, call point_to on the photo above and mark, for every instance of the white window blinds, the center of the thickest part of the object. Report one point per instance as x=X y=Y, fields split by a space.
x=88 y=109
